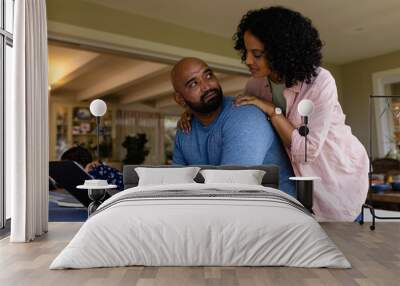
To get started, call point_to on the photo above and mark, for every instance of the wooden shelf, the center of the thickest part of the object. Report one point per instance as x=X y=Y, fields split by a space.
x=386 y=197
x=64 y=122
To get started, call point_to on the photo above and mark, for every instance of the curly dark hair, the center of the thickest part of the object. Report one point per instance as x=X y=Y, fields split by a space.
x=292 y=44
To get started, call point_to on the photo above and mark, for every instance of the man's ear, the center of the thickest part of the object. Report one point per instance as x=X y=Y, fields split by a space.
x=179 y=99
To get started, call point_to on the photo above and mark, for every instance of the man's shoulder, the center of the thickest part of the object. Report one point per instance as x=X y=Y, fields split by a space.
x=248 y=117
x=245 y=112
x=180 y=134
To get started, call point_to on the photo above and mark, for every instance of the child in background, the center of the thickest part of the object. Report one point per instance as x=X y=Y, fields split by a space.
x=96 y=169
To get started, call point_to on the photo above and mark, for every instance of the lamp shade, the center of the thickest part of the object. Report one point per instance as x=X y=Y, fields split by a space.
x=98 y=107
x=305 y=107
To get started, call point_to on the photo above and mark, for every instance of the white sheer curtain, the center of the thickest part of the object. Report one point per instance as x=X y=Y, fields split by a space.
x=27 y=124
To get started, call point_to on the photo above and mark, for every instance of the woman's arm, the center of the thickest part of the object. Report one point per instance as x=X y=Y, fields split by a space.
x=282 y=126
x=325 y=99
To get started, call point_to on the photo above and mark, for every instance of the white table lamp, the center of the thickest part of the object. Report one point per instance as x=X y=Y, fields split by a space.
x=98 y=108
x=305 y=185
x=305 y=109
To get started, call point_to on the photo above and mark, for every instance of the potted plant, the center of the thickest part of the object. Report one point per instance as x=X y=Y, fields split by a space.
x=136 y=150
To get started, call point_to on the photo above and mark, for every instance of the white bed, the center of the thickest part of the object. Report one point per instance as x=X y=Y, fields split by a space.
x=248 y=228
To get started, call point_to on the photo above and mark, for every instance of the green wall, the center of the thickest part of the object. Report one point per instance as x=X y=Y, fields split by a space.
x=357 y=87
x=89 y=15
x=395 y=89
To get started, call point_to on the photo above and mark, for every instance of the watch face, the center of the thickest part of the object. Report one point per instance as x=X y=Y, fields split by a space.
x=278 y=110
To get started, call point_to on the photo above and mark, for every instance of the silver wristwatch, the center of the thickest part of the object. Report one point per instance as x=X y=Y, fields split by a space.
x=277 y=111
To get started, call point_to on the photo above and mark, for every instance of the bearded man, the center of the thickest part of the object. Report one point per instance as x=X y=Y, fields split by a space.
x=221 y=133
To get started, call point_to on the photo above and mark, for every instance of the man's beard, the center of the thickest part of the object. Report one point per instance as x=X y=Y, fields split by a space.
x=204 y=107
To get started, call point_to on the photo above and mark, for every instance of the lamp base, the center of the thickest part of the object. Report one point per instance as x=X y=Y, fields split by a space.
x=304 y=190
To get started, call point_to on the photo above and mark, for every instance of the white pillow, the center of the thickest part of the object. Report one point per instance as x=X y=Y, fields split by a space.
x=166 y=176
x=248 y=177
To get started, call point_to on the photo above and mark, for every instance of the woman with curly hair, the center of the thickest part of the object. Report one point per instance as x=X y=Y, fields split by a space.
x=282 y=50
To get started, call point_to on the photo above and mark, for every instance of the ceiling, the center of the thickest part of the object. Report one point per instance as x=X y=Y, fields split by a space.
x=351 y=30
x=81 y=75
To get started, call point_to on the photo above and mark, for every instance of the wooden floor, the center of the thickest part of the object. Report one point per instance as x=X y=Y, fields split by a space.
x=374 y=255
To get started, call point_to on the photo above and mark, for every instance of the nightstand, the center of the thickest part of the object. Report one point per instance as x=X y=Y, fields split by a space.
x=304 y=190
x=96 y=193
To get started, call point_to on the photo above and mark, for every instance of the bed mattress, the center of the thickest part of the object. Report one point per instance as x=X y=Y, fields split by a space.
x=201 y=225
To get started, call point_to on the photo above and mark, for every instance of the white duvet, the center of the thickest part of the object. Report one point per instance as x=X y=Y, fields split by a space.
x=205 y=231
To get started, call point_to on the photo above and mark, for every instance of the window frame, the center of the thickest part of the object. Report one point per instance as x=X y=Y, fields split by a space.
x=6 y=39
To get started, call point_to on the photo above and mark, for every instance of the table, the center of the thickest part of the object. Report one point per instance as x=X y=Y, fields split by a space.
x=96 y=194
